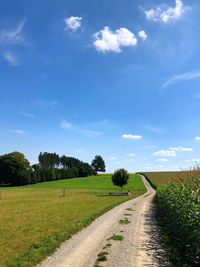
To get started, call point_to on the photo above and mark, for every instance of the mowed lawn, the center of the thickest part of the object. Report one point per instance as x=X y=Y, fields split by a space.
x=32 y=213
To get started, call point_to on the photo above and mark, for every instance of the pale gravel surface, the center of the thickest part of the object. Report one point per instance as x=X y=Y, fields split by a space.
x=140 y=245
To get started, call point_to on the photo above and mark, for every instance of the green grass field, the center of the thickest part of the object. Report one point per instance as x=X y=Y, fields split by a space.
x=35 y=219
x=102 y=181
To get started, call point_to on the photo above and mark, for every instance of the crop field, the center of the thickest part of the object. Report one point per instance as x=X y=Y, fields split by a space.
x=161 y=178
x=35 y=219
x=178 y=199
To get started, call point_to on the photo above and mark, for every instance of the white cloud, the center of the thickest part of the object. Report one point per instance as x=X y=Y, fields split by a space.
x=10 y=58
x=112 y=158
x=107 y=40
x=131 y=136
x=162 y=160
x=180 y=148
x=197 y=138
x=131 y=155
x=165 y=153
x=66 y=125
x=14 y=36
x=21 y=132
x=161 y=13
x=182 y=77
x=142 y=35
x=73 y=23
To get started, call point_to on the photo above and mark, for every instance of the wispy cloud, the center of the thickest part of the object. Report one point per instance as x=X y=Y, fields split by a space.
x=90 y=133
x=26 y=114
x=131 y=155
x=132 y=136
x=47 y=103
x=107 y=40
x=197 y=138
x=162 y=160
x=165 y=14
x=153 y=129
x=73 y=23
x=13 y=36
x=20 y=132
x=80 y=151
x=182 y=77
x=197 y=95
x=165 y=153
x=180 y=148
x=112 y=158
x=192 y=160
x=10 y=58
x=66 y=125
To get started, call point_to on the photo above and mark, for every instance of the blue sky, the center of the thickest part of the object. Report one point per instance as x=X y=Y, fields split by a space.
x=111 y=78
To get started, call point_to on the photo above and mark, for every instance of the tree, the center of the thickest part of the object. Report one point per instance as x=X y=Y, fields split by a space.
x=14 y=169
x=98 y=164
x=120 y=178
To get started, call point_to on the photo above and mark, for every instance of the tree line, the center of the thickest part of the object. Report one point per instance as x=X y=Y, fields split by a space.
x=16 y=170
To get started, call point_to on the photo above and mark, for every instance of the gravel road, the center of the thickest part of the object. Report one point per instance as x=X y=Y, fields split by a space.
x=140 y=245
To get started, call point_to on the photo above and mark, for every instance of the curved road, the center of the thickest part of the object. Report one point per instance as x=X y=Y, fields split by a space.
x=140 y=245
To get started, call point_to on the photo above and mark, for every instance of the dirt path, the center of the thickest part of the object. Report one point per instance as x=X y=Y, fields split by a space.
x=140 y=245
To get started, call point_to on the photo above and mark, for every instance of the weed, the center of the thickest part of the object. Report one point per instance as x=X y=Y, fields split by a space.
x=116 y=237
x=107 y=246
x=97 y=265
x=126 y=221
x=102 y=256
x=130 y=209
x=127 y=214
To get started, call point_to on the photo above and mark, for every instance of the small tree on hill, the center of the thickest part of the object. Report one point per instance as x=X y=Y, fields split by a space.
x=98 y=164
x=120 y=178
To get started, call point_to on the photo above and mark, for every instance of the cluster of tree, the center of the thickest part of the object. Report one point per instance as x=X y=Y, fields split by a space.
x=16 y=170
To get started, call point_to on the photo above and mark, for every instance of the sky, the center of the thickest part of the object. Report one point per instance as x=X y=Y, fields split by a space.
x=120 y=79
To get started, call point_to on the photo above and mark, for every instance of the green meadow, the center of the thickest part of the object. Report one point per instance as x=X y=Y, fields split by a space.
x=36 y=219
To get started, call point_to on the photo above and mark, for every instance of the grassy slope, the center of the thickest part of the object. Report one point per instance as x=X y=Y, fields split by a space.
x=38 y=212
x=92 y=182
